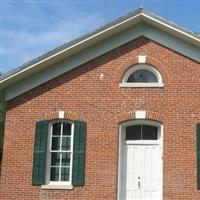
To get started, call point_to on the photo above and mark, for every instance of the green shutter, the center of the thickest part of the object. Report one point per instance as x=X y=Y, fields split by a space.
x=78 y=175
x=39 y=157
x=198 y=156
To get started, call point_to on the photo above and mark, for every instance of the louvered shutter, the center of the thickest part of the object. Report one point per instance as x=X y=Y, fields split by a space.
x=39 y=157
x=198 y=155
x=78 y=175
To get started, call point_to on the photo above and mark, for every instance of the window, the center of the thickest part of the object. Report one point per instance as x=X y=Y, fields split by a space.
x=141 y=132
x=142 y=75
x=60 y=152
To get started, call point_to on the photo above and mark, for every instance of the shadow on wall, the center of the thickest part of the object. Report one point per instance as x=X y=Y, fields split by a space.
x=80 y=70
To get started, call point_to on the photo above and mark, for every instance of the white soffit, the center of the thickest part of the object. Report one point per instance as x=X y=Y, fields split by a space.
x=50 y=58
x=170 y=29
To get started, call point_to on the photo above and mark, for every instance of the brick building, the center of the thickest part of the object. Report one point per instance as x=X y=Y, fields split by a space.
x=111 y=115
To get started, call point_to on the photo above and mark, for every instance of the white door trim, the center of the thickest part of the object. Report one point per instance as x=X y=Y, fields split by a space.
x=122 y=142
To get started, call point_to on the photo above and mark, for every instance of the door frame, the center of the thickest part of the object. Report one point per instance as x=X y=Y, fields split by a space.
x=122 y=128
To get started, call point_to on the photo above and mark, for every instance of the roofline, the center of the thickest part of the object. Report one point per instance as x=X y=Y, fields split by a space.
x=101 y=33
x=175 y=27
x=61 y=51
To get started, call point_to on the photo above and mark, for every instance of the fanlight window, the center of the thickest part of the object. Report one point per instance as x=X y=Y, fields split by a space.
x=141 y=132
x=142 y=75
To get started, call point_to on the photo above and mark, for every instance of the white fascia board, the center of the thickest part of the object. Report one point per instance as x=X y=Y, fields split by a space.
x=57 y=69
x=70 y=48
x=153 y=21
x=94 y=39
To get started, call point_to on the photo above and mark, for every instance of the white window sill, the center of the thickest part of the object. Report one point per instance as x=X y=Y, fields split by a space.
x=57 y=187
x=138 y=85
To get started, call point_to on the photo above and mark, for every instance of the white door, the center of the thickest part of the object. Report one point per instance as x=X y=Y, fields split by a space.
x=141 y=177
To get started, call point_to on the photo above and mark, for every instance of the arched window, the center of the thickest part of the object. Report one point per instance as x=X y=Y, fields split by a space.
x=142 y=132
x=142 y=75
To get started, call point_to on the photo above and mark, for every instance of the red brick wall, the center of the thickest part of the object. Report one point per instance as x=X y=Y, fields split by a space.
x=103 y=105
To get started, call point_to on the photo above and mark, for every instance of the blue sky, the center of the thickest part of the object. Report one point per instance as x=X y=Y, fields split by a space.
x=31 y=28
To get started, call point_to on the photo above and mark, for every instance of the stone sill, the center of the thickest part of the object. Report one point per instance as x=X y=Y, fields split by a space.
x=139 y=85
x=57 y=187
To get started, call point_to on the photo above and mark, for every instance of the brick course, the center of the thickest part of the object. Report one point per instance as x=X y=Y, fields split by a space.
x=104 y=105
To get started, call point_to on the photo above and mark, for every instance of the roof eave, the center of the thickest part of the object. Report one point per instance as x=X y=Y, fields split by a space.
x=95 y=38
x=170 y=29
x=70 y=51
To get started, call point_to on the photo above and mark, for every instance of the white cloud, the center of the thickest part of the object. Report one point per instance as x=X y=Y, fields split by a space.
x=21 y=45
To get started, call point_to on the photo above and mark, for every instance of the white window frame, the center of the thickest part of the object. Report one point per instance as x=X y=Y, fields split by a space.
x=142 y=122
x=147 y=67
x=58 y=184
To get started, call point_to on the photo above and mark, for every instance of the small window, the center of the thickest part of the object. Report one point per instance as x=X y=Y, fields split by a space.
x=142 y=75
x=60 y=152
x=141 y=132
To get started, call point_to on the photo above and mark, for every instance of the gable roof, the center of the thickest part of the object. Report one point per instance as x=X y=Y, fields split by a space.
x=92 y=38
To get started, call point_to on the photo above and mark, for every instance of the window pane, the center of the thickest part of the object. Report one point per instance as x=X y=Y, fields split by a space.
x=149 y=132
x=55 y=143
x=55 y=159
x=64 y=174
x=54 y=174
x=142 y=76
x=66 y=128
x=56 y=129
x=66 y=143
x=66 y=159
x=133 y=132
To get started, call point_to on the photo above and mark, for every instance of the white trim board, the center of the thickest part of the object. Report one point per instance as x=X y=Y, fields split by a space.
x=108 y=30
x=111 y=29
x=101 y=48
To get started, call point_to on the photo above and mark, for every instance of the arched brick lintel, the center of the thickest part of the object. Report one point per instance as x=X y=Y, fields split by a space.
x=128 y=116
x=134 y=60
x=67 y=115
